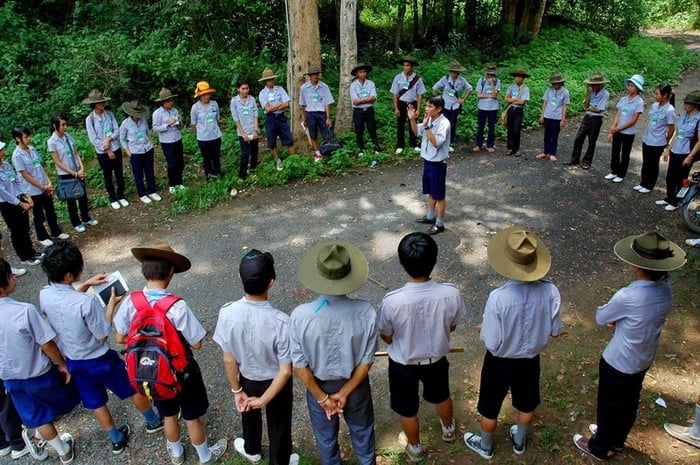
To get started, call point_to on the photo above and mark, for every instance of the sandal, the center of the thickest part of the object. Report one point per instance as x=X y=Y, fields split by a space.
x=541 y=156
x=552 y=158
x=490 y=149
x=476 y=148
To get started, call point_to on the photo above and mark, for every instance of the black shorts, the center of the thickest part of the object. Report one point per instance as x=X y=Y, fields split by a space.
x=403 y=385
x=192 y=401
x=520 y=375
x=434 y=178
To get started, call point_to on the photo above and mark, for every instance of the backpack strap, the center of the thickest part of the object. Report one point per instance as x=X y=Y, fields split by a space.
x=140 y=302
x=164 y=304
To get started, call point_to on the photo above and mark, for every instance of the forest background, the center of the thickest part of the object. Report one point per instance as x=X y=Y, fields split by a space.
x=52 y=52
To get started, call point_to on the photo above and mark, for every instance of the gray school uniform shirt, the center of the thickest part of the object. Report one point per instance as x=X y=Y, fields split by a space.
x=65 y=148
x=639 y=313
x=245 y=113
x=627 y=108
x=332 y=335
x=30 y=161
x=166 y=134
x=315 y=98
x=273 y=97
x=180 y=315
x=484 y=87
x=520 y=317
x=518 y=92
x=401 y=82
x=257 y=335
x=78 y=319
x=100 y=128
x=207 y=120
x=135 y=136
x=599 y=101
x=660 y=118
x=555 y=101
x=362 y=90
x=419 y=316
x=451 y=90
x=22 y=333
x=687 y=128
x=440 y=128
x=11 y=184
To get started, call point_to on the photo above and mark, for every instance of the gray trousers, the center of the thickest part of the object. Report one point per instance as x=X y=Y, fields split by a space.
x=359 y=417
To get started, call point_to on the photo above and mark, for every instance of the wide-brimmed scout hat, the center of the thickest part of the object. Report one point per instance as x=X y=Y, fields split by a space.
x=203 y=88
x=491 y=68
x=693 y=97
x=519 y=254
x=637 y=80
x=313 y=69
x=650 y=251
x=95 y=96
x=2 y=145
x=164 y=95
x=596 y=78
x=333 y=268
x=409 y=59
x=556 y=78
x=267 y=74
x=520 y=72
x=456 y=66
x=161 y=250
x=135 y=109
x=359 y=67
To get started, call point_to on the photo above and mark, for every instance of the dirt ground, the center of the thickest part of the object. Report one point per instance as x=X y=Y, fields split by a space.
x=578 y=214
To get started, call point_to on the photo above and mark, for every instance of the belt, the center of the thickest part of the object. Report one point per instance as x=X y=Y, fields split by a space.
x=427 y=361
x=361 y=108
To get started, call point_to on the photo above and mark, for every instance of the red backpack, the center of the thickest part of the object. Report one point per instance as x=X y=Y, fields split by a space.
x=155 y=350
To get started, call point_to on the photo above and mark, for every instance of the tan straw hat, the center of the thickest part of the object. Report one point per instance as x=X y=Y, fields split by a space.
x=596 y=78
x=519 y=254
x=313 y=69
x=161 y=250
x=203 y=88
x=456 y=66
x=267 y=74
x=409 y=59
x=95 y=96
x=333 y=268
x=164 y=95
x=135 y=109
x=693 y=97
x=650 y=251
x=556 y=78
x=359 y=67
x=520 y=72
x=491 y=68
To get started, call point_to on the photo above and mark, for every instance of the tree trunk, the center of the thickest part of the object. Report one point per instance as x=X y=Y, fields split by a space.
x=304 y=50
x=531 y=20
x=470 y=12
x=348 y=59
x=447 y=19
x=400 y=15
x=536 y=23
x=415 y=23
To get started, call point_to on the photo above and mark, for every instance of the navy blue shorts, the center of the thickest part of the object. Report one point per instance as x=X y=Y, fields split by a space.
x=192 y=401
x=276 y=125
x=434 y=176
x=403 y=385
x=520 y=375
x=315 y=122
x=40 y=400
x=94 y=376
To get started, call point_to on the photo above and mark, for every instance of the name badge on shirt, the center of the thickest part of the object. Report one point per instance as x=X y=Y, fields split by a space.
x=246 y=110
x=271 y=97
x=655 y=120
x=681 y=133
x=10 y=175
x=210 y=117
x=139 y=136
x=108 y=132
x=515 y=94
x=315 y=97
x=554 y=101
x=405 y=85
x=451 y=93
x=364 y=93
x=625 y=111
x=36 y=162
x=487 y=90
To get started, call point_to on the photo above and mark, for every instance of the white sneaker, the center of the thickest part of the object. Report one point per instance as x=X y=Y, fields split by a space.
x=217 y=450
x=115 y=205
x=22 y=271
x=172 y=189
x=123 y=202
x=234 y=192
x=610 y=176
x=63 y=236
x=93 y=222
x=618 y=179
x=416 y=149
x=239 y=445
x=643 y=190
x=661 y=202
x=31 y=261
x=670 y=208
x=452 y=149
x=155 y=196
x=5 y=451
x=361 y=154
x=181 y=187
x=80 y=228
x=36 y=446
x=690 y=242
x=294 y=459
x=68 y=456
x=399 y=151
x=637 y=187
x=46 y=242
x=278 y=164
x=16 y=454
x=175 y=459
x=145 y=199
x=318 y=157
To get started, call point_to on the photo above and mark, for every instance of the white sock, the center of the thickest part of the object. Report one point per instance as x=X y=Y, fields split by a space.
x=203 y=451
x=59 y=445
x=415 y=448
x=38 y=435
x=448 y=429
x=176 y=447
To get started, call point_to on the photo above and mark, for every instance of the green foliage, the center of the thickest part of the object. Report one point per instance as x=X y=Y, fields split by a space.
x=673 y=14
x=617 y=19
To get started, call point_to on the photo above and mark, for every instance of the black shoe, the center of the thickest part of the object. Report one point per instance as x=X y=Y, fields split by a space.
x=154 y=427
x=585 y=166
x=118 y=447
x=436 y=230
x=570 y=163
x=425 y=220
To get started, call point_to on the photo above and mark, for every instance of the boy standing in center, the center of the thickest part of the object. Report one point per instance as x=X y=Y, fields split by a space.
x=416 y=321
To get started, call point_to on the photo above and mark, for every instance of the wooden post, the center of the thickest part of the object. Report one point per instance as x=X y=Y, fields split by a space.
x=348 y=59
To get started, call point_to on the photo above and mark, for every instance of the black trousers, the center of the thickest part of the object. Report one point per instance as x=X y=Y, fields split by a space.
x=113 y=167
x=175 y=159
x=279 y=421
x=10 y=423
x=515 y=124
x=618 y=401
x=211 y=157
x=620 y=154
x=362 y=117
x=590 y=127
x=401 y=121
x=18 y=223
x=73 y=206
x=451 y=116
x=249 y=152
x=650 y=164
x=44 y=210
x=675 y=174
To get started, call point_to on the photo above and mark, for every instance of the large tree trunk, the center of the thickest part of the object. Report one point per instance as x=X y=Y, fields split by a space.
x=448 y=17
x=348 y=59
x=400 y=15
x=536 y=23
x=304 y=49
x=415 y=23
x=530 y=21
